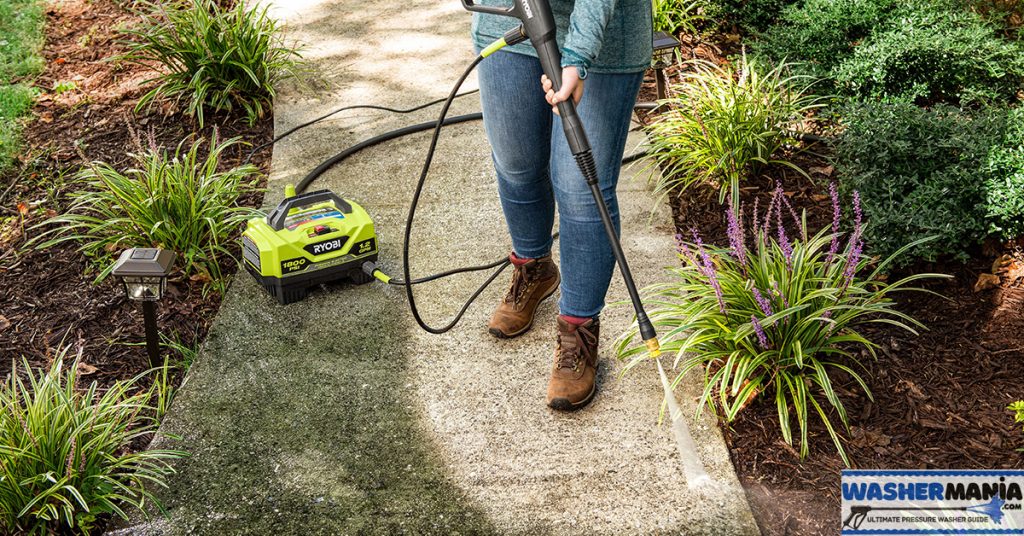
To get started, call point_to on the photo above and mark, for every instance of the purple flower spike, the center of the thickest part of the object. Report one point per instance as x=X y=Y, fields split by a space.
x=762 y=302
x=736 y=241
x=852 y=260
x=762 y=339
x=785 y=201
x=787 y=248
x=709 y=271
x=858 y=215
x=753 y=221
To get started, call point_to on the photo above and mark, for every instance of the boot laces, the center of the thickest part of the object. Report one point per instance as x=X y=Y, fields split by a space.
x=573 y=346
x=521 y=279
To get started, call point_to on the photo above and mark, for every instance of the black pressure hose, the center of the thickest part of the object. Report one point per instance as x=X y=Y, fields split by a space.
x=311 y=122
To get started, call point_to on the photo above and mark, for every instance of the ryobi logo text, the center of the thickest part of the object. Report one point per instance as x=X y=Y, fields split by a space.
x=327 y=246
x=526 y=8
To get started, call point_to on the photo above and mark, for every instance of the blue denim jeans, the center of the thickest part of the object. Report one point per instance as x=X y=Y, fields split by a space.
x=536 y=170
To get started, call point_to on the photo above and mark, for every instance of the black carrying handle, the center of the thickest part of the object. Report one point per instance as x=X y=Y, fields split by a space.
x=470 y=5
x=277 y=218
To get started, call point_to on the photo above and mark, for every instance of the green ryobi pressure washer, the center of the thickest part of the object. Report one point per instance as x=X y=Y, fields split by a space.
x=309 y=239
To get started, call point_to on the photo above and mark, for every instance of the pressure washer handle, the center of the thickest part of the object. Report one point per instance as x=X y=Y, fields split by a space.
x=539 y=27
x=277 y=218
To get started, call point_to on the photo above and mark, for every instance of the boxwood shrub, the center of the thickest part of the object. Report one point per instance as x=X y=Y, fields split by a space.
x=821 y=33
x=1004 y=187
x=928 y=54
x=924 y=51
x=920 y=173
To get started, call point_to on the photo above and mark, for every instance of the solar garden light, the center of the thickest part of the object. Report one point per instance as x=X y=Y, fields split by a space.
x=665 y=46
x=143 y=273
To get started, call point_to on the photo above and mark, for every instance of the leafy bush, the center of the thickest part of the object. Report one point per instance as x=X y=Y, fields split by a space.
x=65 y=454
x=180 y=202
x=775 y=320
x=750 y=16
x=212 y=56
x=673 y=16
x=1004 y=187
x=930 y=54
x=723 y=125
x=821 y=33
x=919 y=172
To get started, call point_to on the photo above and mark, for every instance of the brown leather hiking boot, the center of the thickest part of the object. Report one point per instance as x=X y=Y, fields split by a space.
x=532 y=283
x=573 y=376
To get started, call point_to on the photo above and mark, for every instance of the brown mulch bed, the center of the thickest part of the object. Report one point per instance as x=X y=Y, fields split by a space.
x=49 y=300
x=939 y=398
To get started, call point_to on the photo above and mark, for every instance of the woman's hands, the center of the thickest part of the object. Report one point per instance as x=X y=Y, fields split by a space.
x=571 y=85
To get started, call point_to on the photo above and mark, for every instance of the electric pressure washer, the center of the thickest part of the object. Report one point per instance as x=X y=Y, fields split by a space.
x=318 y=237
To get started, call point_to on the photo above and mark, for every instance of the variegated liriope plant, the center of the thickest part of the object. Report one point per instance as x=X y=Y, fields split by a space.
x=777 y=317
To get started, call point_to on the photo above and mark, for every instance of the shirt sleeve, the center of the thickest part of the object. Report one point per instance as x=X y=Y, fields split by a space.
x=586 y=33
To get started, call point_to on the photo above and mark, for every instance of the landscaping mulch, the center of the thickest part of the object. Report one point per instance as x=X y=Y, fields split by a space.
x=939 y=398
x=49 y=300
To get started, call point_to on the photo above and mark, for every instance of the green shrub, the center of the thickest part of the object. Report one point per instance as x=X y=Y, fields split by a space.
x=775 y=320
x=1004 y=187
x=212 y=56
x=65 y=454
x=821 y=33
x=180 y=202
x=919 y=172
x=750 y=16
x=674 y=16
x=934 y=54
x=723 y=125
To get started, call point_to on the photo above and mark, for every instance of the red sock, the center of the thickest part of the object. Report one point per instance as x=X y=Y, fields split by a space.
x=517 y=261
x=575 y=320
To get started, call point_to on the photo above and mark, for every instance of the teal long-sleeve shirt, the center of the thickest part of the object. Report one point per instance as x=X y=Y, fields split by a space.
x=598 y=36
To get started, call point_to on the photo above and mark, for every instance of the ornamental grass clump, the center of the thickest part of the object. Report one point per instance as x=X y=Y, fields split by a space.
x=181 y=202
x=776 y=317
x=69 y=455
x=725 y=124
x=213 y=56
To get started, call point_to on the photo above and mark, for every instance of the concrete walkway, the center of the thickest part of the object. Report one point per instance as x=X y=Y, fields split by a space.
x=337 y=415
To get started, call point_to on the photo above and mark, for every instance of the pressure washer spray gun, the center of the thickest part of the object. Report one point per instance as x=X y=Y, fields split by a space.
x=538 y=25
